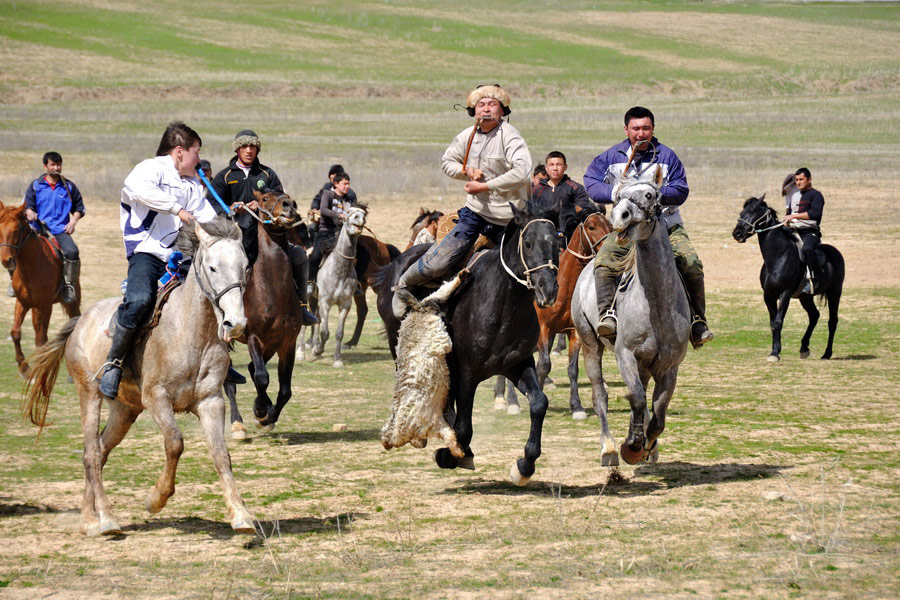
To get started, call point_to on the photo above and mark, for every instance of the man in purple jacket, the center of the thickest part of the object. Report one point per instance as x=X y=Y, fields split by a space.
x=602 y=183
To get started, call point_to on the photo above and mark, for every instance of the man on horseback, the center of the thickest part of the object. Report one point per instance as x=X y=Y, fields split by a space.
x=493 y=160
x=159 y=195
x=332 y=207
x=56 y=202
x=638 y=155
x=804 y=215
x=235 y=184
x=557 y=196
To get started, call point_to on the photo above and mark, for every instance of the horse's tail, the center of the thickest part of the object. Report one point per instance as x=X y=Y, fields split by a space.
x=381 y=280
x=393 y=251
x=41 y=376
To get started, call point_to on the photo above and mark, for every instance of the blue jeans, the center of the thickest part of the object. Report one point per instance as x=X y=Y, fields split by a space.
x=144 y=271
x=67 y=246
x=444 y=257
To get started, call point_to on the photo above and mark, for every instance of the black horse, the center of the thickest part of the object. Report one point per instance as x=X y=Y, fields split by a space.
x=783 y=273
x=494 y=327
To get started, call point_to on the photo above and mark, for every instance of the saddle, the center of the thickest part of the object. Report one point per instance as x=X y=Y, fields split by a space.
x=162 y=296
x=798 y=243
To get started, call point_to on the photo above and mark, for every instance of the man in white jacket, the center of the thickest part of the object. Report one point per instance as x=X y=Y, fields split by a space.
x=159 y=195
x=493 y=160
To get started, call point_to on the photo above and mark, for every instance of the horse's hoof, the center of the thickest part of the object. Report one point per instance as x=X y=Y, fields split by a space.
x=499 y=403
x=243 y=524
x=516 y=476
x=338 y=364
x=554 y=353
x=109 y=527
x=579 y=415
x=444 y=459
x=632 y=457
x=346 y=346
x=804 y=354
x=238 y=431
x=155 y=502
x=513 y=409
x=91 y=529
x=466 y=462
x=653 y=457
x=609 y=460
x=265 y=427
x=773 y=358
x=826 y=356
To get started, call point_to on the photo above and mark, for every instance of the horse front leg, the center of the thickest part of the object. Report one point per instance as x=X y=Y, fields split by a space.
x=260 y=376
x=809 y=305
x=96 y=509
x=543 y=350
x=285 y=372
x=321 y=329
x=156 y=399
x=362 y=311
x=211 y=412
x=238 y=431
x=526 y=380
x=16 y=334
x=578 y=412
x=339 y=333
x=632 y=449
x=834 y=302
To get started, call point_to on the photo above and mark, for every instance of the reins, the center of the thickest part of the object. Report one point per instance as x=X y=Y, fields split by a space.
x=591 y=246
x=754 y=225
x=528 y=271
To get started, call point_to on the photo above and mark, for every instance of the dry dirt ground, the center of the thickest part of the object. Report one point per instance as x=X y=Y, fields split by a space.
x=345 y=518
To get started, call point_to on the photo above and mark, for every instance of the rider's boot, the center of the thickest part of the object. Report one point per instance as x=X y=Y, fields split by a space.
x=605 y=286
x=71 y=273
x=300 y=272
x=112 y=375
x=412 y=277
x=700 y=333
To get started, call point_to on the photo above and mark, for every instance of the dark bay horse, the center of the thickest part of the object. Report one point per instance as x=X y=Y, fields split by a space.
x=36 y=280
x=273 y=314
x=494 y=327
x=783 y=274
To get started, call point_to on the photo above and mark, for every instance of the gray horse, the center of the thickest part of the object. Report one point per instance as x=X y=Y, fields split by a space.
x=654 y=324
x=178 y=367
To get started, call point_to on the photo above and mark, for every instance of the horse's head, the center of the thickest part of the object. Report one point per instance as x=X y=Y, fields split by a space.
x=279 y=207
x=220 y=266
x=538 y=256
x=637 y=207
x=13 y=227
x=754 y=215
x=355 y=219
x=594 y=226
x=425 y=218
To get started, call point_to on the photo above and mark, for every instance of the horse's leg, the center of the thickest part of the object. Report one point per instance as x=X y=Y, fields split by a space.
x=300 y=354
x=663 y=388
x=777 y=305
x=512 y=399
x=593 y=365
x=16 y=333
x=499 y=389
x=321 y=329
x=543 y=350
x=96 y=510
x=560 y=345
x=632 y=448
x=578 y=412
x=285 y=371
x=463 y=394
x=339 y=333
x=526 y=380
x=260 y=376
x=362 y=311
x=834 y=302
x=809 y=304
x=211 y=412
x=157 y=402
x=238 y=431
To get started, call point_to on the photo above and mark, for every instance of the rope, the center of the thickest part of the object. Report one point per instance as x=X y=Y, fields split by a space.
x=527 y=281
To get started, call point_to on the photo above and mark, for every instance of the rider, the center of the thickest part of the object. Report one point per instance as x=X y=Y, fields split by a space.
x=332 y=206
x=159 y=195
x=540 y=172
x=602 y=181
x=804 y=216
x=236 y=183
x=56 y=201
x=497 y=174
x=556 y=196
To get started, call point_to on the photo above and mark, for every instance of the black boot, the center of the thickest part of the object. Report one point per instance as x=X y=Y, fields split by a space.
x=300 y=270
x=121 y=343
x=605 y=286
x=700 y=333
x=71 y=272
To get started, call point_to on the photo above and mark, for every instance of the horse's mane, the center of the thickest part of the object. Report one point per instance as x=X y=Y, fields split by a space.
x=754 y=202
x=429 y=216
x=220 y=227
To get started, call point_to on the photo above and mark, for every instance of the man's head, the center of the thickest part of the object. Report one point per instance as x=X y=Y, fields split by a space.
x=334 y=170
x=556 y=166
x=488 y=103
x=341 y=184
x=183 y=144
x=639 y=124
x=540 y=172
x=206 y=168
x=52 y=164
x=247 y=145
x=803 y=179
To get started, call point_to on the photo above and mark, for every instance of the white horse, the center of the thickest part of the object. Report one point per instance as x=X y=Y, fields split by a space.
x=179 y=366
x=337 y=282
x=654 y=321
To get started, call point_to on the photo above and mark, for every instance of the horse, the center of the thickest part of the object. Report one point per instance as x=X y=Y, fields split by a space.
x=654 y=324
x=177 y=366
x=425 y=218
x=37 y=277
x=337 y=282
x=273 y=314
x=579 y=251
x=493 y=327
x=783 y=273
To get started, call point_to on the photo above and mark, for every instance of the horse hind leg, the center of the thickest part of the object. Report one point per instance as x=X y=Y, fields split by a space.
x=499 y=387
x=834 y=302
x=362 y=311
x=809 y=305
x=16 y=334
x=96 y=510
x=238 y=431
x=285 y=372
x=523 y=469
x=260 y=375
x=578 y=412
x=339 y=335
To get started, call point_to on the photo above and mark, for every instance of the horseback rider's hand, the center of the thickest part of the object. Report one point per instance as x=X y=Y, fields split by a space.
x=475 y=187
x=474 y=174
x=186 y=217
x=30 y=215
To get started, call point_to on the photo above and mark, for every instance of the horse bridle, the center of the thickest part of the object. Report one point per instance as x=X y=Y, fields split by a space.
x=361 y=229
x=754 y=225
x=208 y=284
x=528 y=271
x=585 y=239
x=22 y=239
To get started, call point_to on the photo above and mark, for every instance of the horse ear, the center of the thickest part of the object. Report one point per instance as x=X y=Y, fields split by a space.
x=519 y=216
x=258 y=195
x=763 y=197
x=659 y=176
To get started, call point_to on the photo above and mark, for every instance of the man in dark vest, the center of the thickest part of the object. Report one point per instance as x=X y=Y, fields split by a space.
x=804 y=216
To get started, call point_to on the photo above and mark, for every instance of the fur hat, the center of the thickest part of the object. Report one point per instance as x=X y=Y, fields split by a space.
x=487 y=91
x=247 y=137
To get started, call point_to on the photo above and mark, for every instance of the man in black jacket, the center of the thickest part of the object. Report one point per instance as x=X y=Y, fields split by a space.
x=332 y=205
x=805 y=216
x=556 y=196
x=236 y=184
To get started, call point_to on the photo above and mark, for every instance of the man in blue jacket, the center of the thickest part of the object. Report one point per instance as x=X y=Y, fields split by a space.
x=602 y=183
x=56 y=201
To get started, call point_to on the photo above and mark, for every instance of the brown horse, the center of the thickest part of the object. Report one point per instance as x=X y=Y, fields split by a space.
x=425 y=218
x=36 y=280
x=273 y=314
x=557 y=318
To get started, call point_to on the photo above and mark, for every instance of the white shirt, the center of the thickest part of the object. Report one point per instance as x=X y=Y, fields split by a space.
x=153 y=195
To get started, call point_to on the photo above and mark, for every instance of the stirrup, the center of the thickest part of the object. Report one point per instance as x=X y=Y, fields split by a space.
x=706 y=337
x=116 y=362
x=607 y=331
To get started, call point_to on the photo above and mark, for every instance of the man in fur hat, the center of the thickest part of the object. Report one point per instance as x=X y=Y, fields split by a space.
x=497 y=173
x=236 y=184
